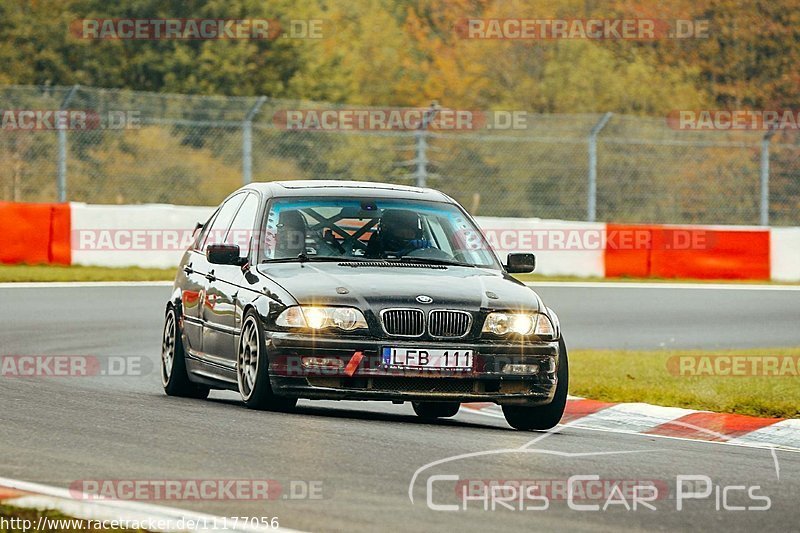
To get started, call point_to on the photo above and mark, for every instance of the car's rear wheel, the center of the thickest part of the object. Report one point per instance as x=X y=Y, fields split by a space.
x=541 y=417
x=431 y=410
x=174 y=376
x=252 y=369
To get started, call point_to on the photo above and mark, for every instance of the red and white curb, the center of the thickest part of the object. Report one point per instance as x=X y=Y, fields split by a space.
x=646 y=419
x=27 y=495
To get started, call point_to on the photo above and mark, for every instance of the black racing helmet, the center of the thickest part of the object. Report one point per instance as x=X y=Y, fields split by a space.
x=291 y=234
x=398 y=227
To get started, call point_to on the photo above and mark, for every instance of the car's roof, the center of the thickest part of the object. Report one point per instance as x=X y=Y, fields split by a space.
x=281 y=189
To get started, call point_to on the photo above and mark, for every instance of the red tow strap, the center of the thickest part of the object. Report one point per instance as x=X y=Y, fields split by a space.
x=352 y=365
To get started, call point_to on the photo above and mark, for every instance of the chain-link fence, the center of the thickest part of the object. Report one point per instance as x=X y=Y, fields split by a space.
x=157 y=148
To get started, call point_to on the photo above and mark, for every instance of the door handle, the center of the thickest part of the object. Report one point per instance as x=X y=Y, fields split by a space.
x=188 y=269
x=211 y=277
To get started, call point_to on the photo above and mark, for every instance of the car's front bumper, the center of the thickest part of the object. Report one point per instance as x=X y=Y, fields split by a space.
x=371 y=380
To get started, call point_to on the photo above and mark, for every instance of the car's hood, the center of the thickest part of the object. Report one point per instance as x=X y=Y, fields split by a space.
x=388 y=286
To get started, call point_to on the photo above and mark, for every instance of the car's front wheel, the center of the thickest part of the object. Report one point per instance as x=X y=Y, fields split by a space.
x=541 y=417
x=252 y=369
x=174 y=376
x=431 y=410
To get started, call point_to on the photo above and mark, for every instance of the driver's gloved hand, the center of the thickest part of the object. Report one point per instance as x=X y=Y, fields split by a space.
x=417 y=244
x=414 y=244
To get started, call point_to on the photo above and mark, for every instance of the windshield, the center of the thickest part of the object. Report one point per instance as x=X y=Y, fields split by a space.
x=360 y=229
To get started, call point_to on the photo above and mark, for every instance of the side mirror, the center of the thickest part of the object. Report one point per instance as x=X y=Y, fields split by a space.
x=520 y=263
x=224 y=254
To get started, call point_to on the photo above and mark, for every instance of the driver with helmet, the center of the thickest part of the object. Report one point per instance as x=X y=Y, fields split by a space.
x=399 y=232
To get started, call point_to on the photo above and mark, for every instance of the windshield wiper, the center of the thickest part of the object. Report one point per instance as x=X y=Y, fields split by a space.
x=303 y=258
x=432 y=261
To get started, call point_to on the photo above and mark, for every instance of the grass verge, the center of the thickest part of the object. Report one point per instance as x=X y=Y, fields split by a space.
x=29 y=273
x=18 y=520
x=640 y=376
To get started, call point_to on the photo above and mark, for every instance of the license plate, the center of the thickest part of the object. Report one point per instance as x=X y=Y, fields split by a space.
x=427 y=358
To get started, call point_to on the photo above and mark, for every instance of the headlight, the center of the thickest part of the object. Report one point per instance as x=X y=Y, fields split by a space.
x=344 y=318
x=518 y=323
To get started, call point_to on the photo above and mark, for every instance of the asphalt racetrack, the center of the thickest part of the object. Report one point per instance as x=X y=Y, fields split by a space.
x=357 y=466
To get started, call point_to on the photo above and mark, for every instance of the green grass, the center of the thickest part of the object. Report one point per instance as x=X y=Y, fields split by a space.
x=638 y=376
x=21 y=273
x=68 y=524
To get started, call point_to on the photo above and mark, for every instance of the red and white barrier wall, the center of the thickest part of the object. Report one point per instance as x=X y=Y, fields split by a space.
x=562 y=248
x=35 y=233
x=784 y=254
x=156 y=235
x=692 y=252
x=152 y=236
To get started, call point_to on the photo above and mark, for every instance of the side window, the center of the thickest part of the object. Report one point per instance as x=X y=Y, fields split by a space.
x=439 y=235
x=201 y=235
x=219 y=227
x=241 y=231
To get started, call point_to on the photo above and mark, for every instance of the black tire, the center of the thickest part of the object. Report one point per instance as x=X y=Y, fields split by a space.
x=174 y=376
x=431 y=410
x=252 y=369
x=542 y=417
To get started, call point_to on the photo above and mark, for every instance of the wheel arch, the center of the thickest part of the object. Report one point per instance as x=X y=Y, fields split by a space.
x=261 y=305
x=175 y=300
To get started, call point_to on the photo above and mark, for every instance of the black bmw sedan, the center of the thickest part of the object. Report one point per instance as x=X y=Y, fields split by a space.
x=359 y=291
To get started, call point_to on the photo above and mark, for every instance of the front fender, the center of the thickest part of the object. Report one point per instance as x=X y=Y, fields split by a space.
x=267 y=308
x=175 y=299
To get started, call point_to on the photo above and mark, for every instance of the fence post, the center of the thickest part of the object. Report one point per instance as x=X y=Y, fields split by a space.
x=247 y=141
x=421 y=157
x=61 y=178
x=421 y=145
x=764 y=175
x=591 y=208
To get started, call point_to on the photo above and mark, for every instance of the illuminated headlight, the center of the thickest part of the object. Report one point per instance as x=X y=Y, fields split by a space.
x=343 y=318
x=518 y=323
